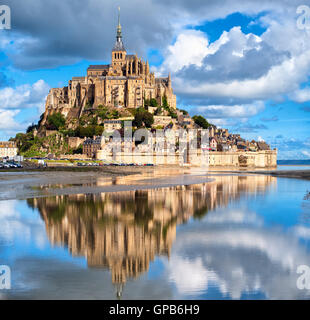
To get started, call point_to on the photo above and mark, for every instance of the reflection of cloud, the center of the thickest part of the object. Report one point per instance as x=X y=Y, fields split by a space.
x=243 y=258
x=189 y=276
x=302 y=232
x=235 y=216
x=13 y=225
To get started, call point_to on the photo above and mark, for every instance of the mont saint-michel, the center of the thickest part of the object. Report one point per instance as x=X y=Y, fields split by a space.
x=154 y=154
x=81 y=118
x=127 y=82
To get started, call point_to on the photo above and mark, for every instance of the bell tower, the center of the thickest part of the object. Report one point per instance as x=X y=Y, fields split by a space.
x=119 y=51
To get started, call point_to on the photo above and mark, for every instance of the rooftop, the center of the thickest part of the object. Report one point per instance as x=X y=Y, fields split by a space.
x=98 y=67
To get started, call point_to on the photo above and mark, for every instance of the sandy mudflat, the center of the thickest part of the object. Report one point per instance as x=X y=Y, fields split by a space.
x=29 y=184
x=44 y=183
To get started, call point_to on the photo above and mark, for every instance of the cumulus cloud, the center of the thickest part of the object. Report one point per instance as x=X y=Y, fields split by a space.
x=231 y=115
x=237 y=70
x=7 y=121
x=24 y=96
x=42 y=43
x=49 y=33
x=232 y=111
x=235 y=56
x=302 y=95
x=190 y=48
x=241 y=68
x=13 y=101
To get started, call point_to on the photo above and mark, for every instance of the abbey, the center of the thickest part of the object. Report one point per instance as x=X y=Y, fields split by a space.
x=125 y=83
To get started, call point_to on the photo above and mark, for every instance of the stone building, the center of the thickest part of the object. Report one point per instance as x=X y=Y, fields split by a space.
x=112 y=125
x=91 y=146
x=8 y=149
x=124 y=83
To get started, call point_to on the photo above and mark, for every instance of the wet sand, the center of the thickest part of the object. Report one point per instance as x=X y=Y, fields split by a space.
x=45 y=183
x=30 y=184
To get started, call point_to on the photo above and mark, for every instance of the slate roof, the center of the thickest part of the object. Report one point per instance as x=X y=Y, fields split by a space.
x=98 y=67
x=119 y=46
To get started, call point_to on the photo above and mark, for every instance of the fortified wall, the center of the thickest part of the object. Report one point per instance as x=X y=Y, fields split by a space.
x=260 y=159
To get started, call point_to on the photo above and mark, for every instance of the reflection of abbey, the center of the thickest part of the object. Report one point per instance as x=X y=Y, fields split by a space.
x=126 y=82
x=125 y=231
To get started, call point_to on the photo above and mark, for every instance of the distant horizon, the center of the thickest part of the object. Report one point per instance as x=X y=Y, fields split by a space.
x=294 y=160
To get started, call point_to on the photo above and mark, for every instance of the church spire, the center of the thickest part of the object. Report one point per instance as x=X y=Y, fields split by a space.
x=119 y=46
x=119 y=27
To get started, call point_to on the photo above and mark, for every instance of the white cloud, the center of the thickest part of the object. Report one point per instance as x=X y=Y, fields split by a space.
x=241 y=67
x=24 y=96
x=191 y=47
x=7 y=121
x=189 y=276
x=279 y=80
x=233 y=111
x=306 y=153
x=14 y=100
x=264 y=260
x=301 y=96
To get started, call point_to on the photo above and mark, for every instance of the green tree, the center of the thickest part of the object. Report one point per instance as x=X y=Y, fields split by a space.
x=185 y=113
x=201 y=122
x=143 y=118
x=31 y=128
x=56 y=121
x=147 y=102
x=99 y=130
x=165 y=103
x=115 y=114
x=172 y=113
x=153 y=103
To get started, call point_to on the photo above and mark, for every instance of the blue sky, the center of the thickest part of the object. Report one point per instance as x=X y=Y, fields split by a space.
x=244 y=65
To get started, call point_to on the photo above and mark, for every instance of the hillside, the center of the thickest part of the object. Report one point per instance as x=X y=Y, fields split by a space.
x=56 y=126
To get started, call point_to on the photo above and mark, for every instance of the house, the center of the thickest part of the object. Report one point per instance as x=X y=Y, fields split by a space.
x=262 y=145
x=226 y=147
x=162 y=121
x=241 y=147
x=91 y=146
x=8 y=149
x=112 y=125
x=213 y=144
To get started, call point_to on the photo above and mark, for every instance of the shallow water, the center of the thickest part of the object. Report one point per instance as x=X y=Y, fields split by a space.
x=238 y=237
x=293 y=167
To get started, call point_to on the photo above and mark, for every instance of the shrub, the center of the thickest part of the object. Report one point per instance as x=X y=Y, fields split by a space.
x=201 y=122
x=56 y=121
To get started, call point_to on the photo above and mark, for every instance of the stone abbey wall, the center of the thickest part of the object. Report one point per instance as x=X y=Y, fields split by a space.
x=260 y=159
x=126 y=82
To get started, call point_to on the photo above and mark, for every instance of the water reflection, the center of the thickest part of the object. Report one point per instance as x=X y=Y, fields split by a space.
x=125 y=231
